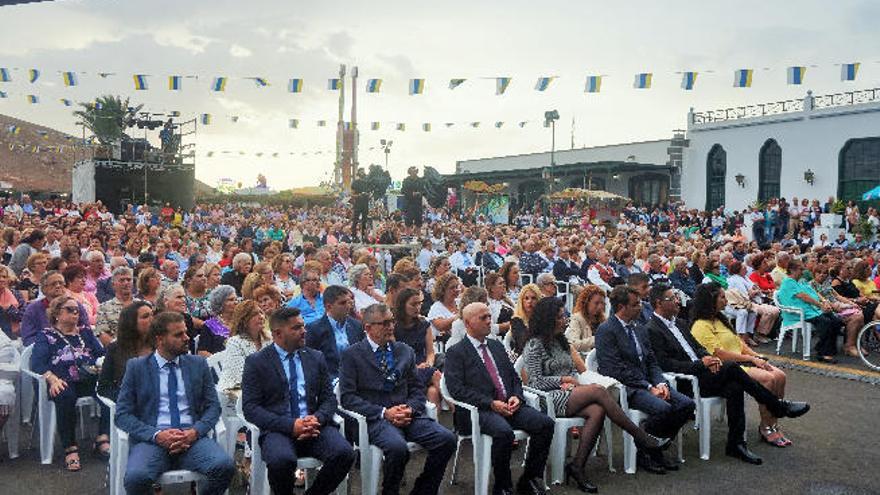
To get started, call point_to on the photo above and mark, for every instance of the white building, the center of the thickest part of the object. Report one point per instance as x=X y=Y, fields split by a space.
x=813 y=148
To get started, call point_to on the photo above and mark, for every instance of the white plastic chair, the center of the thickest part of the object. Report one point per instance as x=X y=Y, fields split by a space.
x=215 y=362
x=561 y=427
x=259 y=475
x=636 y=416
x=707 y=408
x=372 y=457
x=482 y=443
x=12 y=372
x=46 y=409
x=118 y=443
x=800 y=325
x=231 y=423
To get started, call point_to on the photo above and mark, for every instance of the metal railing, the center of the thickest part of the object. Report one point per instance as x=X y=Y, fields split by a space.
x=788 y=106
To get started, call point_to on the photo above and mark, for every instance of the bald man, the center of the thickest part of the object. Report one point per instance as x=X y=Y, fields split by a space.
x=479 y=372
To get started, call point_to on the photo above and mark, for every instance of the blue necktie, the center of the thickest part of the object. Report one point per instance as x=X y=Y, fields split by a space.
x=632 y=335
x=294 y=386
x=173 y=409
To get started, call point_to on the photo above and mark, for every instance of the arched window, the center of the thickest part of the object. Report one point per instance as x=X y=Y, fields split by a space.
x=716 y=174
x=859 y=168
x=649 y=189
x=769 y=171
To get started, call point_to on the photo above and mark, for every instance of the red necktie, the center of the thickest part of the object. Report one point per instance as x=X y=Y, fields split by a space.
x=493 y=373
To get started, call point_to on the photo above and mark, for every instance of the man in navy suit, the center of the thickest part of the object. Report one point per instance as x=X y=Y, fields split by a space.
x=479 y=372
x=378 y=380
x=287 y=393
x=624 y=352
x=167 y=404
x=336 y=330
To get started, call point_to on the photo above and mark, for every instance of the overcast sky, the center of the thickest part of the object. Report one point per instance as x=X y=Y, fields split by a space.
x=396 y=41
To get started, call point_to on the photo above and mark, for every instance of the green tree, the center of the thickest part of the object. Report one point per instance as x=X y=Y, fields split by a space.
x=107 y=117
x=379 y=180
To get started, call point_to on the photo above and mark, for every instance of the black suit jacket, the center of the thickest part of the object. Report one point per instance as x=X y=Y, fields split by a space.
x=362 y=382
x=618 y=358
x=670 y=354
x=468 y=379
x=563 y=270
x=266 y=394
x=320 y=336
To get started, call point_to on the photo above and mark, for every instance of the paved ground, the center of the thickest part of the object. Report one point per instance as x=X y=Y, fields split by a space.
x=835 y=452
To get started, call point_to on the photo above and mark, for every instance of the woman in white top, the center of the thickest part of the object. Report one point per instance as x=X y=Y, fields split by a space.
x=444 y=311
x=500 y=305
x=470 y=295
x=8 y=360
x=248 y=335
x=365 y=294
x=282 y=265
x=767 y=313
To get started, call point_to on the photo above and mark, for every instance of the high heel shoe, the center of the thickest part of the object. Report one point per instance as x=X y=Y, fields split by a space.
x=579 y=478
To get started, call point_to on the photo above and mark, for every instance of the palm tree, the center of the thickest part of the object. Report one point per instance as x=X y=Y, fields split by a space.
x=107 y=117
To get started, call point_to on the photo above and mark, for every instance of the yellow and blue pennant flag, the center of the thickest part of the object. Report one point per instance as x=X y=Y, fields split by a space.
x=374 y=85
x=688 y=79
x=293 y=123
x=334 y=84
x=742 y=78
x=205 y=119
x=501 y=84
x=426 y=127
x=4 y=75
x=416 y=86
x=3 y=94
x=374 y=126
x=322 y=123
x=33 y=99
x=295 y=86
x=261 y=82
x=219 y=84
x=69 y=78
x=499 y=124
x=140 y=82
x=796 y=74
x=643 y=80
x=401 y=127
x=33 y=75
x=66 y=102
x=594 y=84
x=454 y=83
x=848 y=72
x=543 y=83
x=175 y=83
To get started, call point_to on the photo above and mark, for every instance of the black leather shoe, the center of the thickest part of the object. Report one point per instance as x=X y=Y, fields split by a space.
x=669 y=464
x=741 y=451
x=792 y=409
x=646 y=463
x=534 y=486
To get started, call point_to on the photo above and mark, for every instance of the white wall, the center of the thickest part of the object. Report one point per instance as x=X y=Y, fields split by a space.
x=643 y=152
x=810 y=139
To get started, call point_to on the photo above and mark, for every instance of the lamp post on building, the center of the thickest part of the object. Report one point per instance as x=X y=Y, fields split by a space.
x=550 y=118
x=386 y=147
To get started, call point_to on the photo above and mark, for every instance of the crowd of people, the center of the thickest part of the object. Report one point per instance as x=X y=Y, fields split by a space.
x=128 y=305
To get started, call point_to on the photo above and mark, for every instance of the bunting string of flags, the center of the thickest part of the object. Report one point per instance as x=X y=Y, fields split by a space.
x=742 y=78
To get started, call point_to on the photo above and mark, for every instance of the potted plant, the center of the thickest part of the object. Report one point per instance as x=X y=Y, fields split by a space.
x=835 y=218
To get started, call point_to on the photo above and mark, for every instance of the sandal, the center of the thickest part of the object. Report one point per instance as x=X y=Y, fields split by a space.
x=770 y=435
x=72 y=465
x=100 y=450
x=782 y=435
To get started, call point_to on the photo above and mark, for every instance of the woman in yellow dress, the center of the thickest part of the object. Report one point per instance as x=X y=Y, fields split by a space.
x=714 y=332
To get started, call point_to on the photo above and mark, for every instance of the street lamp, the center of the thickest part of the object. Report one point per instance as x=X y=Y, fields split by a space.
x=550 y=118
x=386 y=147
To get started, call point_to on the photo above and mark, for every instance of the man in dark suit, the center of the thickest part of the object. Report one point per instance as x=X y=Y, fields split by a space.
x=287 y=393
x=479 y=372
x=167 y=404
x=624 y=353
x=378 y=380
x=677 y=351
x=336 y=330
